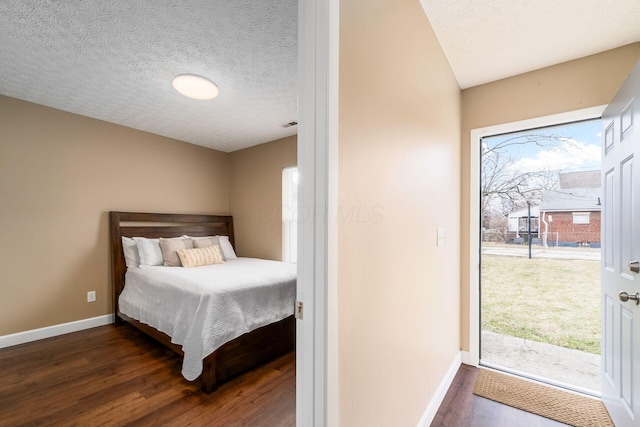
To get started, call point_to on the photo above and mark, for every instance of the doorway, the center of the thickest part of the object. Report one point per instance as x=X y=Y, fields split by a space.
x=540 y=243
x=472 y=357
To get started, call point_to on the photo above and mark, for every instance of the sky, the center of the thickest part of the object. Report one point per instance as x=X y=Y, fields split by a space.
x=578 y=148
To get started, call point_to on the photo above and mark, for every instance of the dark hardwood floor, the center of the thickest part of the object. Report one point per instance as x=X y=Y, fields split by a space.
x=461 y=408
x=116 y=376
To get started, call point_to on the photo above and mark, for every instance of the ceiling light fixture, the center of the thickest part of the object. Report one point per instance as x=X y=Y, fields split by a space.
x=195 y=86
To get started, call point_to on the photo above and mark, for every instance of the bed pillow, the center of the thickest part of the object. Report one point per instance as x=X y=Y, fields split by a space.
x=198 y=237
x=227 y=248
x=170 y=248
x=203 y=242
x=149 y=251
x=130 y=250
x=225 y=245
x=200 y=256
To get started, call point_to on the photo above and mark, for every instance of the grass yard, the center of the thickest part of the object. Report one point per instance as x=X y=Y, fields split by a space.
x=555 y=301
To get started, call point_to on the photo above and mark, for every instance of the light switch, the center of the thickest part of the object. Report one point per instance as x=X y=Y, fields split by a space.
x=440 y=236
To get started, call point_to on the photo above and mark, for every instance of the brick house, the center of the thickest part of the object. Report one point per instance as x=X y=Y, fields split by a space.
x=570 y=216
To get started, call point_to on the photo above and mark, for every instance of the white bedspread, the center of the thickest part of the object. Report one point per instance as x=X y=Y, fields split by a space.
x=202 y=308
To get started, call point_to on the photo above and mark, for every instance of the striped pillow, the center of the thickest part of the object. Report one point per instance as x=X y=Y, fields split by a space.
x=200 y=256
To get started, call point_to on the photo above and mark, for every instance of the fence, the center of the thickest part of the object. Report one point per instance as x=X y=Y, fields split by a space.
x=550 y=238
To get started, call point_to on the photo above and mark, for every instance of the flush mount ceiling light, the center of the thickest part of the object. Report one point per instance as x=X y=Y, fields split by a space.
x=195 y=86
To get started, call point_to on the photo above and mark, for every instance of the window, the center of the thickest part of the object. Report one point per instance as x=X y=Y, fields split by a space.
x=523 y=224
x=581 y=217
x=290 y=214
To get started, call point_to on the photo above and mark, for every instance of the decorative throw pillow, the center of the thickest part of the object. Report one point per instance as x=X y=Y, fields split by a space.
x=170 y=248
x=203 y=242
x=225 y=245
x=149 y=251
x=200 y=256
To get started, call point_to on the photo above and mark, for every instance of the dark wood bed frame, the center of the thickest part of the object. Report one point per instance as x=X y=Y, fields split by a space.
x=234 y=357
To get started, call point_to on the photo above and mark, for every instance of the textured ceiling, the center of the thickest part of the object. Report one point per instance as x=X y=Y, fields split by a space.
x=487 y=40
x=114 y=60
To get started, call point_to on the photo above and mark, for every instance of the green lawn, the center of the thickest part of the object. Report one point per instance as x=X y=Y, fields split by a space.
x=554 y=301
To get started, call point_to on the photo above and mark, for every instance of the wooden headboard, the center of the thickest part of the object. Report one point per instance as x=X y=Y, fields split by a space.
x=154 y=225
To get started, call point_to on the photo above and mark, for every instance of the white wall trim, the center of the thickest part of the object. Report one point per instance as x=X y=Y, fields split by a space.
x=316 y=334
x=53 y=331
x=474 y=206
x=466 y=358
x=441 y=391
x=332 y=362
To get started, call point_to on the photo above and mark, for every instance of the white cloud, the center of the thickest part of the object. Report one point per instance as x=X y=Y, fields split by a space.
x=570 y=155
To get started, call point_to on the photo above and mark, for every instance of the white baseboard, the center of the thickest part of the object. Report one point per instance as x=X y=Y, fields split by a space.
x=466 y=358
x=55 y=330
x=438 y=397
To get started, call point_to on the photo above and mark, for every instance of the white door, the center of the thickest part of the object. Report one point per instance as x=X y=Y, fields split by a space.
x=620 y=252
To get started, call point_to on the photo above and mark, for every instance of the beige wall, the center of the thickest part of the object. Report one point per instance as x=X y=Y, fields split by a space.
x=566 y=87
x=256 y=196
x=60 y=174
x=399 y=180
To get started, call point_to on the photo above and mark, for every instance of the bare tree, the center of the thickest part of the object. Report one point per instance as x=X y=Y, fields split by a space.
x=504 y=186
x=497 y=229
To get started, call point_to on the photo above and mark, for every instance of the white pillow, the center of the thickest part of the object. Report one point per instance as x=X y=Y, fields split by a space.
x=131 y=257
x=227 y=249
x=149 y=251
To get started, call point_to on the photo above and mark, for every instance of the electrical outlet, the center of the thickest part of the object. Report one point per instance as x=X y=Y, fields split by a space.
x=91 y=296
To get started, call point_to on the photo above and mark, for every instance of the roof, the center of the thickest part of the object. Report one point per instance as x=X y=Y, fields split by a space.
x=535 y=212
x=582 y=179
x=574 y=199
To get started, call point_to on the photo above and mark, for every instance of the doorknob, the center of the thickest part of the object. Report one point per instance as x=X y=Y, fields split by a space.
x=624 y=297
x=634 y=266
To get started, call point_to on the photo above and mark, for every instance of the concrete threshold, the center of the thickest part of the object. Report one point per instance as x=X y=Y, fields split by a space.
x=575 y=368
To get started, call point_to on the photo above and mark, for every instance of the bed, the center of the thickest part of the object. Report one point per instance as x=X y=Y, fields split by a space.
x=261 y=342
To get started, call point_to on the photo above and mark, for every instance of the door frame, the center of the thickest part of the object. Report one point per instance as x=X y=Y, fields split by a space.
x=473 y=356
x=316 y=332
